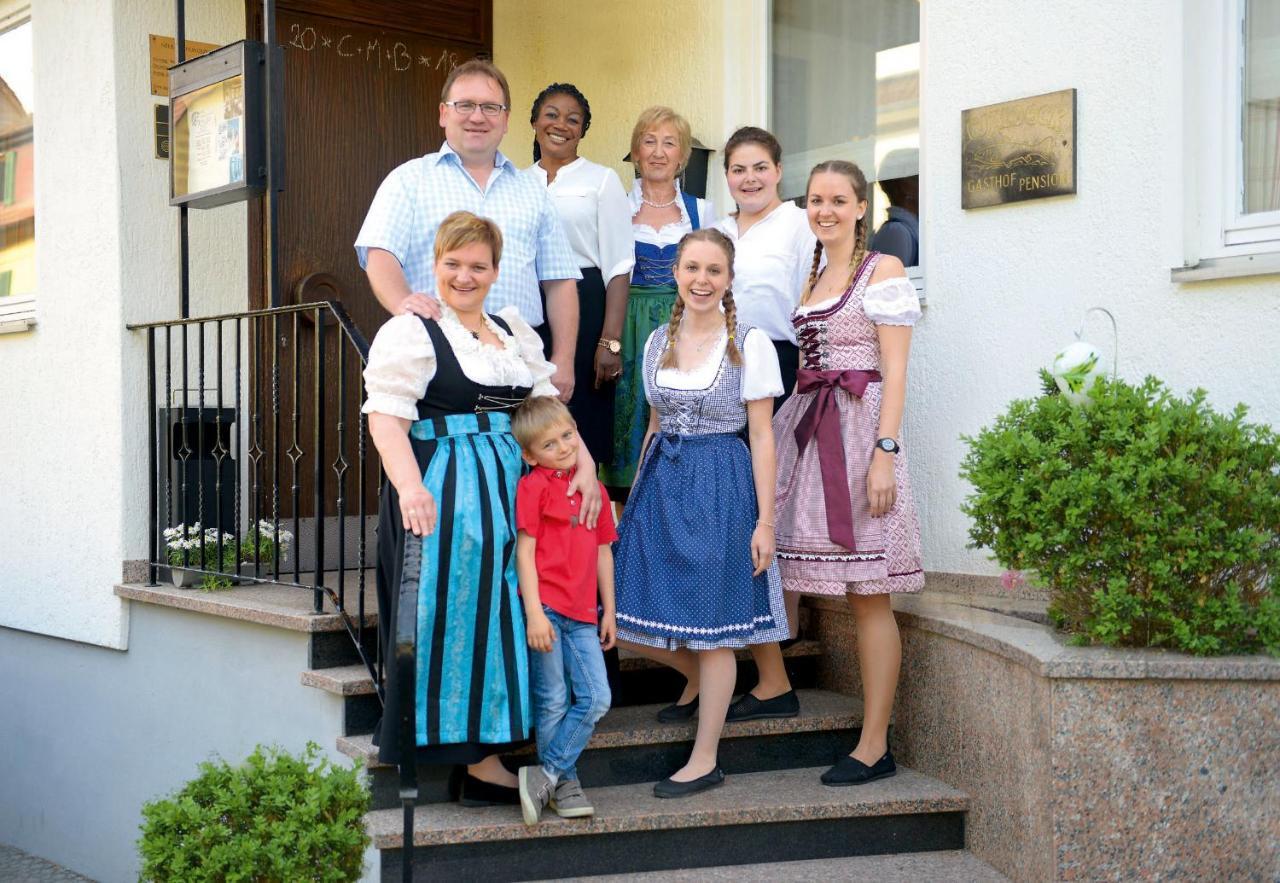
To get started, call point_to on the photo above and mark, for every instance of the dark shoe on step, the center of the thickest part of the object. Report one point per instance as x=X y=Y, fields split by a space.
x=749 y=708
x=851 y=771
x=478 y=792
x=678 y=714
x=671 y=788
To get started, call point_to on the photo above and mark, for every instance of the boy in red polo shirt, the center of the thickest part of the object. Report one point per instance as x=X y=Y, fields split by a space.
x=561 y=564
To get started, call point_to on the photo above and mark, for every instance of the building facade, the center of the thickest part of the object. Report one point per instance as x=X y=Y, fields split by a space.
x=1174 y=228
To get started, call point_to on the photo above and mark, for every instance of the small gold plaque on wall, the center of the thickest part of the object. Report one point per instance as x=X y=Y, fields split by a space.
x=1019 y=150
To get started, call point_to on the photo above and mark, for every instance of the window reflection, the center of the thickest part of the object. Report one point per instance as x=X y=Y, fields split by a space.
x=17 y=163
x=846 y=85
x=1262 y=107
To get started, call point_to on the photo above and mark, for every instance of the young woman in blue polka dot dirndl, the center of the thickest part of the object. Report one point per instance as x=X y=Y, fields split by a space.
x=694 y=559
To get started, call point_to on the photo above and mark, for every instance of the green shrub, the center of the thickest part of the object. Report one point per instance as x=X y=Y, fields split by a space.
x=1153 y=520
x=276 y=817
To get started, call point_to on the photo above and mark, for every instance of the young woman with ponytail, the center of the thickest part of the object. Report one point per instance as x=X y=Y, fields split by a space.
x=847 y=521
x=694 y=560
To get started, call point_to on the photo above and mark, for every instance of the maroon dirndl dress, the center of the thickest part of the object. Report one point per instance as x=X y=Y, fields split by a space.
x=828 y=543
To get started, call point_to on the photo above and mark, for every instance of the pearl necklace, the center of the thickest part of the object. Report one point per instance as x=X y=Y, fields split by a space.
x=652 y=204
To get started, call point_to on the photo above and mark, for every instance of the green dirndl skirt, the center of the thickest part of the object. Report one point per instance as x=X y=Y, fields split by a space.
x=648 y=307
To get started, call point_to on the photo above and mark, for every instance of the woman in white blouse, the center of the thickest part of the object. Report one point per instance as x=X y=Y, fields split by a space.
x=439 y=398
x=774 y=245
x=596 y=217
x=661 y=214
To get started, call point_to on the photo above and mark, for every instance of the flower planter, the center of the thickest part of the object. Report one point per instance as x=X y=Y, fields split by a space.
x=184 y=577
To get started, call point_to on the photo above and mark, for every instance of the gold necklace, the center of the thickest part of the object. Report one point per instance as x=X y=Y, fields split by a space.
x=714 y=335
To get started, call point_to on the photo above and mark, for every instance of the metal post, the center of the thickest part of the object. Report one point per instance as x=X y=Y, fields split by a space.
x=318 y=464
x=184 y=248
x=270 y=125
x=153 y=495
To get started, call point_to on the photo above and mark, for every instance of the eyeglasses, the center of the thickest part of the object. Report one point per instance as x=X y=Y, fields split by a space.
x=467 y=108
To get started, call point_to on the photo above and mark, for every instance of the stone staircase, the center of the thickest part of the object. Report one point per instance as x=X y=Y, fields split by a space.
x=772 y=808
x=772 y=820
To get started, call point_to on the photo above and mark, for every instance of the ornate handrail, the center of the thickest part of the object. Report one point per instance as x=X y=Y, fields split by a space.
x=261 y=449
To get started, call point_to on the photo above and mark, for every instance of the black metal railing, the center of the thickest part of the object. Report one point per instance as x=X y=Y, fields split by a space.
x=262 y=423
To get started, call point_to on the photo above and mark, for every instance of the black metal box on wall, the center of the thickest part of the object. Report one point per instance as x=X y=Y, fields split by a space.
x=201 y=470
x=217 y=125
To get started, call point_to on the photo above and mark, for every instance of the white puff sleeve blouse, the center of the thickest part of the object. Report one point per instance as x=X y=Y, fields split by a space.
x=892 y=302
x=402 y=360
x=761 y=376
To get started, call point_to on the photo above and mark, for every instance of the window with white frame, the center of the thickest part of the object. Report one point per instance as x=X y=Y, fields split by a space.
x=845 y=84
x=1233 y=132
x=17 y=172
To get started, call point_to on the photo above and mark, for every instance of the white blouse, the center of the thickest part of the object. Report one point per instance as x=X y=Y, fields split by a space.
x=669 y=233
x=594 y=212
x=761 y=377
x=888 y=302
x=771 y=267
x=402 y=360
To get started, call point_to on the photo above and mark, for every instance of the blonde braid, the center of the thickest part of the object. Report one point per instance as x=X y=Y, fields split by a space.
x=813 y=273
x=731 y=326
x=859 y=246
x=673 y=334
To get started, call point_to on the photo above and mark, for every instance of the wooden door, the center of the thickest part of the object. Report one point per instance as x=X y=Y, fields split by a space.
x=362 y=81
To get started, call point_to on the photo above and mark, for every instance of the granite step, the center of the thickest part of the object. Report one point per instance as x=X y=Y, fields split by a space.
x=638 y=725
x=354 y=680
x=953 y=866
x=775 y=816
x=631 y=746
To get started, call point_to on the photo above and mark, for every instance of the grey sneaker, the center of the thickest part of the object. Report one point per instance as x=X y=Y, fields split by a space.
x=535 y=792
x=569 y=802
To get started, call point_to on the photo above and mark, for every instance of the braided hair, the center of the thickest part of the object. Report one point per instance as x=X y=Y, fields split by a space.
x=861 y=229
x=559 y=89
x=725 y=244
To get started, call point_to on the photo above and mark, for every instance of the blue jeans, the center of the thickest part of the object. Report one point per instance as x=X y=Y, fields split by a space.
x=570 y=692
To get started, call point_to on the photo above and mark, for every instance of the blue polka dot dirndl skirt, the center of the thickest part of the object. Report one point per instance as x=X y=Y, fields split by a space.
x=683 y=557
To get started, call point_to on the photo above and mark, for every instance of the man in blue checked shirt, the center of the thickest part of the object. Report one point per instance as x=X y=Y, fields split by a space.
x=395 y=244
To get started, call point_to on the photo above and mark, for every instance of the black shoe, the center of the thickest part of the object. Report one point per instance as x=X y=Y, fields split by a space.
x=678 y=714
x=669 y=788
x=749 y=708
x=478 y=792
x=851 y=771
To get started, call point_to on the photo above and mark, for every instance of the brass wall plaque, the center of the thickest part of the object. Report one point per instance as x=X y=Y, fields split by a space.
x=164 y=55
x=1019 y=150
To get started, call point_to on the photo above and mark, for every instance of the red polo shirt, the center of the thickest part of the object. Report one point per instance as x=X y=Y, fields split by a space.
x=567 y=550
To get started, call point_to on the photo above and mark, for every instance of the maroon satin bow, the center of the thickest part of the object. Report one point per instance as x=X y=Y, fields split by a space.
x=823 y=421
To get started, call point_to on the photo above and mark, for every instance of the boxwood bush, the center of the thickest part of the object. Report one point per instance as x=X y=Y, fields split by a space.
x=1153 y=520
x=276 y=817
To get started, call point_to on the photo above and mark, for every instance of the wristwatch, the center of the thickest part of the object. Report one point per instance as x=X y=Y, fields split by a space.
x=888 y=445
x=613 y=346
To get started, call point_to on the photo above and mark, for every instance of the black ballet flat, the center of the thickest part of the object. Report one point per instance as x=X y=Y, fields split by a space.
x=749 y=708
x=671 y=788
x=851 y=771
x=478 y=792
x=678 y=714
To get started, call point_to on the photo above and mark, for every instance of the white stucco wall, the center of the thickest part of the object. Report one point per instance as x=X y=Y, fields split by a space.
x=73 y=444
x=1008 y=285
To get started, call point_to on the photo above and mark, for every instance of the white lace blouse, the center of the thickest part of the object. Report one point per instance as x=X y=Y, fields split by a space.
x=888 y=302
x=402 y=360
x=761 y=377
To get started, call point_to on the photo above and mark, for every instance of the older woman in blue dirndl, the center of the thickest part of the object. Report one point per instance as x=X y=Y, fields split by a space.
x=440 y=395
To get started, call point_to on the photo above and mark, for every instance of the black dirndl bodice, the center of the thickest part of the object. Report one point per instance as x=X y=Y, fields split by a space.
x=471 y=688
